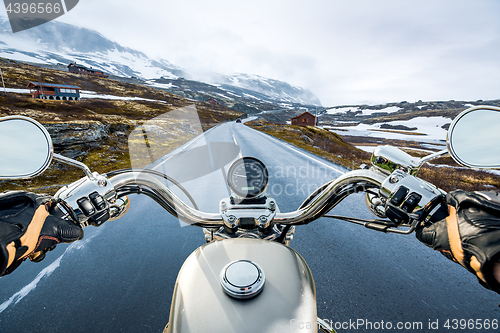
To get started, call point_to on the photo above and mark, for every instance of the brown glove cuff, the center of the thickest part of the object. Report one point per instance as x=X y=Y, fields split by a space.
x=473 y=228
x=27 y=243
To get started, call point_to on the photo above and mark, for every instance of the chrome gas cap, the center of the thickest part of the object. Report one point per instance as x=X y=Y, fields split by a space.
x=242 y=279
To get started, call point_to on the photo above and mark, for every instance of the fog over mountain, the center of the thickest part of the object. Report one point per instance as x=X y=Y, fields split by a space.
x=59 y=43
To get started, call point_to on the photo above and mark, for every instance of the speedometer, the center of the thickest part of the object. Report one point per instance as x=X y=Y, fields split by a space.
x=247 y=177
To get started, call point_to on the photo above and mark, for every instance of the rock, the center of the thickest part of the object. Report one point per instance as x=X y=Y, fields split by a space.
x=398 y=127
x=307 y=139
x=74 y=151
x=77 y=133
x=119 y=128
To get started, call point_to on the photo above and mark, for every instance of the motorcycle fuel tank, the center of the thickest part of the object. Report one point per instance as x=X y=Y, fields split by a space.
x=286 y=303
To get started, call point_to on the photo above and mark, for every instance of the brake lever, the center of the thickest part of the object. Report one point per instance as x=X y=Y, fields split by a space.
x=386 y=226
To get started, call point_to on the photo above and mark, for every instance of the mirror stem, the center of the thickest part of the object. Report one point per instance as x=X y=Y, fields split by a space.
x=433 y=156
x=72 y=162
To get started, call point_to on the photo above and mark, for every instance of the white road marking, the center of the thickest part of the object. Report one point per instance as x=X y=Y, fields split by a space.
x=236 y=143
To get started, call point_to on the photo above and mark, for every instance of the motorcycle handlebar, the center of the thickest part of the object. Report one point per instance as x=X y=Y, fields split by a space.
x=166 y=198
x=337 y=190
x=331 y=194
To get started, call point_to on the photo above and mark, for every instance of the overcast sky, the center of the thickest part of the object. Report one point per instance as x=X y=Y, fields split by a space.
x=345 y=52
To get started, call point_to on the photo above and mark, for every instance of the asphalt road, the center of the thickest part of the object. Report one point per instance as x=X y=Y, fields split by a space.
x=120 y=278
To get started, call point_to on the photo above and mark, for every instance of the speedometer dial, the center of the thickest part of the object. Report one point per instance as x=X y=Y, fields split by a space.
x=247 y=177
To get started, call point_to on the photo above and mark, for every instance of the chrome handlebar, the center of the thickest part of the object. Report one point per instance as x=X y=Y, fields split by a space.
x=167 y=198
x=337 y=190
x=404 y=199
x=324 y=201
x=401 y=196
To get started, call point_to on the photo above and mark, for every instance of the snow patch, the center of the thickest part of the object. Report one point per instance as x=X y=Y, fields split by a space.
x=92 y=94
x=224 y=96
x=389 y=109
x=364 y=112
x=495 y=172
x=430 y=126
x=17 y=91
x=161 y=85
x=343 y=110
x=250 y=96
x=368 y=149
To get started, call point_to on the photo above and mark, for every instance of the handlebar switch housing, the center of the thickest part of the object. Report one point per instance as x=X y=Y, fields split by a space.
x=400 y=195
x=411 y=202
x=95 y=208
x=404 y=194
x=97 y=200
x=85 y=205
x=396 y=215
x=89 y=199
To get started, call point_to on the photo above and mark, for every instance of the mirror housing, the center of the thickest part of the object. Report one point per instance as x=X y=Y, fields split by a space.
x=26 y=148
x=473 y=139
x=386 y=159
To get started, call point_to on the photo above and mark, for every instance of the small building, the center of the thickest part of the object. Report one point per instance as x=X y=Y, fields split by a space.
x=54 y=91
x=305 y=119
x=212 y=101
x=80 y=69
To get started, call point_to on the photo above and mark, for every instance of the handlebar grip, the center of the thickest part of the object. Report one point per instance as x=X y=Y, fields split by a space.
x=440 y=214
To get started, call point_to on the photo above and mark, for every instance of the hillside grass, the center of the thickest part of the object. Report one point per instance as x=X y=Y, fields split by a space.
x=17 y=74
x=112 y=153
x=446 y=113
x=317 y=141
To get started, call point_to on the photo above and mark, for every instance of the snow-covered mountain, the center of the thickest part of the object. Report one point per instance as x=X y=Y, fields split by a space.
x=60 y=43
x=57 y=43
x=275 y=89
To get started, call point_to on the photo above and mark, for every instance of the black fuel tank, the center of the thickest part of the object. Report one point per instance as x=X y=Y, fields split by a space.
x=286 y=304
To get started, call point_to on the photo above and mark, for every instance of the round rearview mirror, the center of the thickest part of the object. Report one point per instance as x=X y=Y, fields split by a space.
x=473 y=138
x=25 y=148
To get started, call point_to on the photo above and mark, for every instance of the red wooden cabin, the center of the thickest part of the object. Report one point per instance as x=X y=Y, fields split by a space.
x=305 y=119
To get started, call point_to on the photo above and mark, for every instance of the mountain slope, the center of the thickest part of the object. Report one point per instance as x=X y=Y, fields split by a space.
x=61 y=43
x=57 y=43
x=275 y=89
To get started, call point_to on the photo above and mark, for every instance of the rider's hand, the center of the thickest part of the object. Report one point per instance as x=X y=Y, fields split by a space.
x=470 y=235
x=28 y=229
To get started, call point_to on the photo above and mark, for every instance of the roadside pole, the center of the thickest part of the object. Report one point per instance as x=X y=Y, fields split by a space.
x=3 y=83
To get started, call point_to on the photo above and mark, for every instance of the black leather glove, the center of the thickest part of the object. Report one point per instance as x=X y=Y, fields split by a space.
x=470 y=235
x=30 y=228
